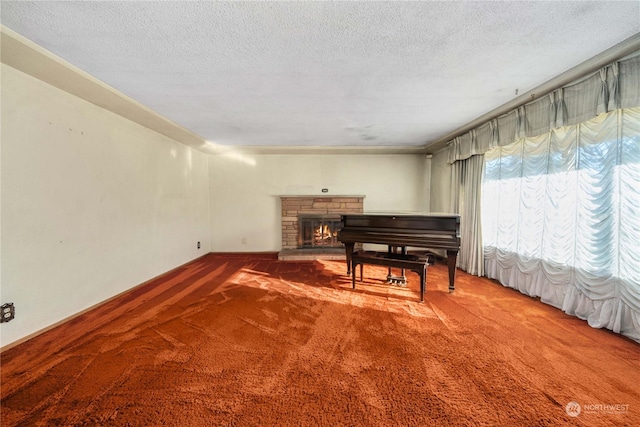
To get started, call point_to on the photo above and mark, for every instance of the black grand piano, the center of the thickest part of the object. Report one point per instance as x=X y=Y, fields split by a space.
x=435 y=231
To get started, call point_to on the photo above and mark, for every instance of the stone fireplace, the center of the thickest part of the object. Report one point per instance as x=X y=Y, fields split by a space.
x=310 y=225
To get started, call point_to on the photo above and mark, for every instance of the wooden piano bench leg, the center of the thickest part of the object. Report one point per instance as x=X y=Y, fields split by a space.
x=353 y=275
x=423 y=282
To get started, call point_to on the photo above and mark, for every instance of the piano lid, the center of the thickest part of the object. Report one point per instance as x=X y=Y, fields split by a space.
x=410 y=213
x=406 y=216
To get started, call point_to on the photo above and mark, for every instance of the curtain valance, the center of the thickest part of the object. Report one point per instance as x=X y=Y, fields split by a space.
x=612 y=87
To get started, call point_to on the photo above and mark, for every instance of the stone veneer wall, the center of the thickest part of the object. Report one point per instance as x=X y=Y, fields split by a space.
x=292 y=206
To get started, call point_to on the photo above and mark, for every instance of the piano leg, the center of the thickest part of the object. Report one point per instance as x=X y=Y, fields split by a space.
x=389 y=275
x=348 y=248
x=452 y=256
x=423 y=280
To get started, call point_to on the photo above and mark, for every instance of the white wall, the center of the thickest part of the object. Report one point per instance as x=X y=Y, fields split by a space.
x=245 y=206
x=92 y=204
x=440 y=182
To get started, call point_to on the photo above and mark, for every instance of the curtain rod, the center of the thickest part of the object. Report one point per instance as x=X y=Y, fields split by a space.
x=618 y=51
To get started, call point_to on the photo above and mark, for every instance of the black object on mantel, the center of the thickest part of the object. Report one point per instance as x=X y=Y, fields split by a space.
x=435 y=231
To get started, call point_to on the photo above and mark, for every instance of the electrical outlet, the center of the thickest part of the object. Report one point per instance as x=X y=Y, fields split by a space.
x=8 y=312
x=198 y=245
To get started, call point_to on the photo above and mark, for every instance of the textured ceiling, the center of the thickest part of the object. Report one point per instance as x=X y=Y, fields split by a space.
x=316 y=74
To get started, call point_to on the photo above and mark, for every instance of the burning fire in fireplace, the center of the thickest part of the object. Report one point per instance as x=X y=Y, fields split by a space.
x=324 y=233
x=318 y=231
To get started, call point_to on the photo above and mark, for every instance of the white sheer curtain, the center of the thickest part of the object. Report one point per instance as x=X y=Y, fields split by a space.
x=561 y=198
x=561 y=219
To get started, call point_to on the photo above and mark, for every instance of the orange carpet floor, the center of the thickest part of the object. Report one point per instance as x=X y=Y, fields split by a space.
x=247 y=340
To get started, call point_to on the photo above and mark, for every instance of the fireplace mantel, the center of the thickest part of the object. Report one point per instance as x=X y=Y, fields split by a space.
x=317 y=196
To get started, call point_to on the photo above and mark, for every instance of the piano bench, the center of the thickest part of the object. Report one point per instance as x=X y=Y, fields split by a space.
x=414 y=263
